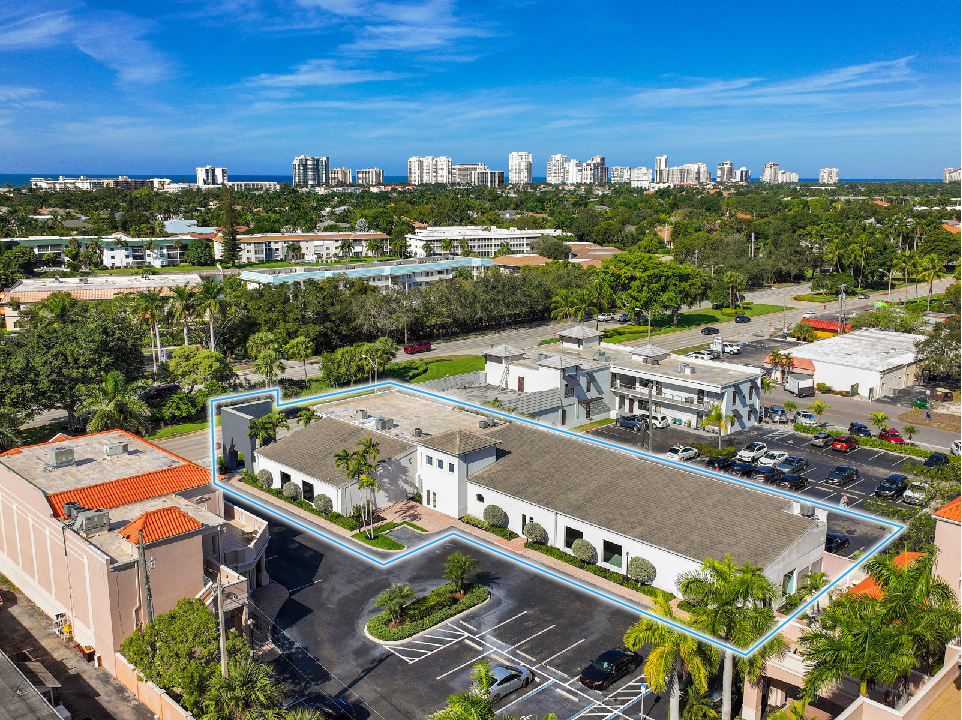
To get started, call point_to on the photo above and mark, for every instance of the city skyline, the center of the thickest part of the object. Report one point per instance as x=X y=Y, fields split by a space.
x=85 y=84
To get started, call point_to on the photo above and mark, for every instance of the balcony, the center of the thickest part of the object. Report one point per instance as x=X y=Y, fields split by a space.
x=234 y=586
x=666 y=397
x=245 y=536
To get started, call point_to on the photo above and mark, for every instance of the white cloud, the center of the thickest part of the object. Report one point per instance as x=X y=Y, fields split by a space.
x=19 y=29
x=321 y=72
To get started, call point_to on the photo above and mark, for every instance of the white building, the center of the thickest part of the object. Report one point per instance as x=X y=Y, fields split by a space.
x=770 y=173
x=640 y=177
x=620 y=174
x=255 y=185
x=661 y=169
x=428 y=170
x=520 y=168
x=573 y=172
x=311 y=247
x=370 y=176
x=557 y=170
x=342 y=176
x=477 y=174
x=482 y=241
x=948 y=175
x=211 y=176
x=743 y=175
x=309 y=171
x=868 y=363
x=594 y=171
x=785 y=176
x=828 y=176
x=726 y=172
x=87 y=183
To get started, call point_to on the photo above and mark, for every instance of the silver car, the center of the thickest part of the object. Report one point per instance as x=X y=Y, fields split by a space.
x=822 y=439
x=507 y=679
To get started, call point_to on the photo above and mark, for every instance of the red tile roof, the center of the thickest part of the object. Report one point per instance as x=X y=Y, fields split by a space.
x=159 y=525
x=952 y=511
x=744 y=216
x=870 y=587
x=952 y=228
x=797 y=363
x=826 y=324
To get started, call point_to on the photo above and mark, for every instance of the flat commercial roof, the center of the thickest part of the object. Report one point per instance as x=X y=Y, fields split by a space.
x=876 y=350
x=366 y=271
x=19 y=700
x=686 y=513
x=709 y=372
x=96 y=287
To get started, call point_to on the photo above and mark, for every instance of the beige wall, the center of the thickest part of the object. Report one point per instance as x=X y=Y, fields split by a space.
x=948 y=539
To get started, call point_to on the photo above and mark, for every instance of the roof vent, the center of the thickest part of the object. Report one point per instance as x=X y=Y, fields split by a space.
x=61 y=456
x=689 y=370
x=417 y=432
x=115 y=449
x=482 y=423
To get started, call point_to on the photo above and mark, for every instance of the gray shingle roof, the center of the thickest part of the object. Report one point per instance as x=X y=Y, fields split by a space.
x=688 y=514
x=580 y=332
x=649 y=350
x=563 y=360
x=458 y=442
x=311 y=450
x=533 y=402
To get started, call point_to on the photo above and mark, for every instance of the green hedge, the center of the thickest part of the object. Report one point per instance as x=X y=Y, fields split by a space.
x=611 y=575
x=710 y=451
x=249 y=478
x=405 y=370
x=875 y=443
x=488 y=527
x=377 y=626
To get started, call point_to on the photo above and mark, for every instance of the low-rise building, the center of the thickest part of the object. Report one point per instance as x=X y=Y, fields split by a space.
x=311 y=247
x=117 y=250
x=948 y=539
x=484 y=241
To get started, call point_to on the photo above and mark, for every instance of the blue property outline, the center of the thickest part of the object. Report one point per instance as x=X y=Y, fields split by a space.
x=896 y=527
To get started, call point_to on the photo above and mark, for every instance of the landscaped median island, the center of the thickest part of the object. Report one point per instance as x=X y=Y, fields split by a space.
x=875 y=443
x=380 y=539
x=686 y=321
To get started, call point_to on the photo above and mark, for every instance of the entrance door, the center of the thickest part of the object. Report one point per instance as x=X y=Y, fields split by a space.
x=520 y=384
x=631 y=405
x=564 y=417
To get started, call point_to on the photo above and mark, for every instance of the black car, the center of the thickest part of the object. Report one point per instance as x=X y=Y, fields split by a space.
x=835 y=542
x=859 y=430
x=742 y=319
x=841 y=476
x=609 y=667
x=767 y=473
x=632 y=422
x=936 y=459
x=709 y=330
x=719 y=463
x=741 y=468
x=792 y=482
x=893 y=487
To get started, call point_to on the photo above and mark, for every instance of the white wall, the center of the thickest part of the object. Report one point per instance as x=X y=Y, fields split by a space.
x=842 y=378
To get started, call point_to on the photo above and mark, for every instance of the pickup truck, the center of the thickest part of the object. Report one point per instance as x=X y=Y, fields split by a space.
x=800 y=387
x=805 y=417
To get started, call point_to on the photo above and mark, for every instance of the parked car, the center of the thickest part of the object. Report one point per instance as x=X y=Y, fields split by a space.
x=835 y=542
x=719 y=463
x=793 y=482
x=893 y=487
x=845 y=443
x=624 y=317
x=752 y=452
x=793 y=464
x=891 y=435
x=507 y=679
x=606 y=317
x=822 y=439
x=767 y=473
x=841 y=476
x=742 y=319
x=701 y=355
x=776 y=414
x=658 y=420
x=862 y=296
x=936 y=459
x=859 y=430
x=808 y=314
x=915 y=494
x=772 y=458
x=417 y=347
x=632 y=422
x=726 y=347
x=159 y=391
x=742 y=469
x=681 y=452
x=956 y=447
x=608 y=668
x=806 y=417
x=709 y=330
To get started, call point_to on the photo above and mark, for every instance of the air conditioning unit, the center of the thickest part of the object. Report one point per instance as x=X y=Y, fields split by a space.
x=383 y=423
x=689 y=370
x=482 y=423
x=362 y=414
x=61 y=456
x=92 y=522
x=72 y=509
x=115 y=449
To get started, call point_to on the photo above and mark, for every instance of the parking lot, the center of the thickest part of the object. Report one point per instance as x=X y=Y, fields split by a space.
x=531 y=619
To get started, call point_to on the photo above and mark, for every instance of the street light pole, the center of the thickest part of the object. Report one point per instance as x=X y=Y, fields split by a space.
x=374 y=364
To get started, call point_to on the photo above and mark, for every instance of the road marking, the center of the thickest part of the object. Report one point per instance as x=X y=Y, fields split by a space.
x=583 y=711
x=469 y=662
x=485 y=632
x=476 y=647
x=527 y=695
x=545 y=662
x=523 y=654
x=425 y=642
x=873 y=457
x=314 y=582
x=530 y=638
x=562 y=692
x=469 y=627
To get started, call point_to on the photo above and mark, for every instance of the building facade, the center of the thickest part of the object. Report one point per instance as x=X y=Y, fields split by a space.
x=342 y=176
x=557 y=170
x=828 y=176
x=430 y=170
x=520 y=168
x=661 y=169
x=370 y=176
x=620 y=174
x=948 y=175
x=211 y=176
x=743 y=175
x=770 y=173
x=640 y=177
x=310 y=247
x=310 y=171
x=481 y=241
x=785 y=176
x=594 y=171
x=726 y=172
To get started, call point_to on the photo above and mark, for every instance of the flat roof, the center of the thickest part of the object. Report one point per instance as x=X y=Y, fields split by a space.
x=870 y=349
x=456 y=231
x=366 y=270
x=686 y=513
x=20 y=700
x=708 y=372
x=96 y=287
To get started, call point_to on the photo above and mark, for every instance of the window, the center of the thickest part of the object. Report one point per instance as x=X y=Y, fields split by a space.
x=612 y=554
x=434 y=502
x=429 y=460
x=479 y=497
x=734 y=397
x=307 y=490
x=285 y=477
x=520 y=384
x=450 y=467
x=751 y=392
x=569 y=391
x=564 y=417
x=788 y=583
x=571 y=535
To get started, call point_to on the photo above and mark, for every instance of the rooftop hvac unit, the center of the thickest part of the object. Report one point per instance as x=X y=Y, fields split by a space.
x=689 y=370
x=115 y=449
x=72 y=509
x=92 y=522
x=383 y=423
x=482 y=423
x=362 y=414
x=61 y=456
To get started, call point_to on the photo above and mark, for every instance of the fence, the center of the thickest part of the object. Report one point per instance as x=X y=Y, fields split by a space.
x=157 y=700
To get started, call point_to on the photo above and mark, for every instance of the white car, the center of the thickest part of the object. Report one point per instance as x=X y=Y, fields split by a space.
x=752 y=452
x=681 y=452
x=772 y=458
x=732 y=348
x=809 y=314
x=606 y=317
x=701 y=355
x=804 y=417
x=956 y=447
x=915 y=495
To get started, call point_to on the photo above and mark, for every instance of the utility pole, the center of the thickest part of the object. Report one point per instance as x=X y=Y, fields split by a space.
x=145 y=577
x=841 y=296
x=753 y=244
x=651 y=384
x=220 y=622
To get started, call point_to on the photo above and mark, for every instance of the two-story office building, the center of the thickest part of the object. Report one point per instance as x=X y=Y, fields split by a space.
x=483 y=241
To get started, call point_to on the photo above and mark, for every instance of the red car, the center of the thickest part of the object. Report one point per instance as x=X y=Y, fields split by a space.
x=845 y=443
x=891 y=435
x=416 y=347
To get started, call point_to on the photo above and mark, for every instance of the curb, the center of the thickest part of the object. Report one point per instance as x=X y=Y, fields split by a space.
x=416 y=635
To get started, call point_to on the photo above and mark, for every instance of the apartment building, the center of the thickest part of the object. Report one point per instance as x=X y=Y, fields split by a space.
x=520 y=168
x=785 y=176
x=106 y=531
x=87 y=183
x=428 y=170
x=310 y=171
x=117 y=250
x=255 y=185
x=770 y=173
x=743 y=175
x=725 y=172
x=342 y=176
x=661 y=169
x=620 y=174
x=370 y=176
x=689 y=174
x=557 y=170
x=640 y=177
x=477 y=174
x=310 y=247
x=481 y=241
x=209 y=176
x=948 y=175
x=828 y=176
x=595 y=171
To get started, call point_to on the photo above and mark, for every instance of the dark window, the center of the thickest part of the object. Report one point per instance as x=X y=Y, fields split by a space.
x=571 y=535
x=612 y=553
x=751 y=392
x=430 y=460
x=479 y=497
x=734 y=397
x=307 y=490
x=451 y=467
x=285 y=477
x=520 y=384
x=564 y=416
x=569 y=391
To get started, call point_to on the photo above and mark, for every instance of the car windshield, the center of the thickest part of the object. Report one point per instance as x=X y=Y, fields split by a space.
x=602 y=664
x=754 y=447
x=889 y=483
x=915 y=487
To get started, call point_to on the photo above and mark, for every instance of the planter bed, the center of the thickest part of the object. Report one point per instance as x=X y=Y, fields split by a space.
x=436 y=607
x=488 y=527
x=381 y=540
x=610 y=575
x=908 y=450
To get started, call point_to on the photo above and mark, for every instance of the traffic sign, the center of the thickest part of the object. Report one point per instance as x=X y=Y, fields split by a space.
x=771 y=325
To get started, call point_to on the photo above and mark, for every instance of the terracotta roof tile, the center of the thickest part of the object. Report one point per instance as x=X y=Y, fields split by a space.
x=826 y=325
x=952 y=511
x=159 y=525
x=870 y=587
x=952 y=228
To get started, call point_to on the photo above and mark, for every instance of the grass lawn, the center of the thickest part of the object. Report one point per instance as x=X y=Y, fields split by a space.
x=179 y=429
x=42 y=433
x=550 y=341
x=453 y=365
x=592 y=425
x=686 y=321
x=380 y=540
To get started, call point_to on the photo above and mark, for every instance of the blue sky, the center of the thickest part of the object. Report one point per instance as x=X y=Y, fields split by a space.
x=160 y=87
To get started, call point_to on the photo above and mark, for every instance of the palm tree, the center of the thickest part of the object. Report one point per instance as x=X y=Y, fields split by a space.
x=369 y=482
x=299 y=349
x=304 y=713
x=861 y=251
x=878 y=419
x=932 y=269
x=718 y=418
x=150 y=306
x=909 y=430
x=673 y=655
x=265 y=427
x=562 y=304
x=603 y=297
x=209 y=303
x=818 y=408
x=457 y=567
x=269 y=364
x=306 y=416
x=115 y=405
x=698 y=706
x=790 y=407
x=903 y=263
x=795 y=710
x=347 y=247
x=183 y=306
x=735 y=283
x=474 y=704
x=728 y=602
x=395 y=599
x=812 y=584
x=504 y=248
x=583 y=303
x=250 y=691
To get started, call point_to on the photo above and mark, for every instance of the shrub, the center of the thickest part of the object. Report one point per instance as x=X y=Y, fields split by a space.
x=554 y=552
x=488 y=527
x=425 y=612
x=221 y=465
x=535 y=533
x=641 y=570
x=250 y=478
x=323 y=504
x=265 y=478
x=291 y=491
x=584 y=550
x=709 y=451
x=730 y=312
x=495 y=516
x=406 y=370
x=823 y=388
x=804 y=332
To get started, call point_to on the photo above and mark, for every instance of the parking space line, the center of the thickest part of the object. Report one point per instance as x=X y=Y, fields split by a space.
x=462 y=665
x=530 y=638
x=523 y=654
x=425 y=642
x=526 y=696
x=485 y=632
x=583 y=711
x=475 y=646
x=469 y=627
x=545 y=662
x=562 y=692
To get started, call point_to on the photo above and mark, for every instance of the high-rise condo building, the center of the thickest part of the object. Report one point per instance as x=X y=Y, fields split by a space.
x=310 y=171
x=828 y=176
x=640 y=177
x=341 y=176
x=370 y=176
x=595 y=171
x=743 y=175
x=557 y=171
x=620 y=174
x=462 y=172
x=785 y=176
x=477 y=174
x=429 y=169
x=770 y=173
x=661 y=169
x=952 y=176
x=573 y=173
x=726 y=172
x=207 y=176
x=520 y=168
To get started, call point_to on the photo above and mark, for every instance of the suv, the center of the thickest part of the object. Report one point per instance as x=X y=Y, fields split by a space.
x=845 y=443
x=752 y=452
x=859 y=430
x=841 y=476
x=701 y=355
x=891 y=435
x=417 y=347
x=632 y=422
x=776 y=414
x=709 y=330
x=805 y=417
x=681 y=452
x=624 y=317
x=606 y=317
x=893 y=487
x=936 y=459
